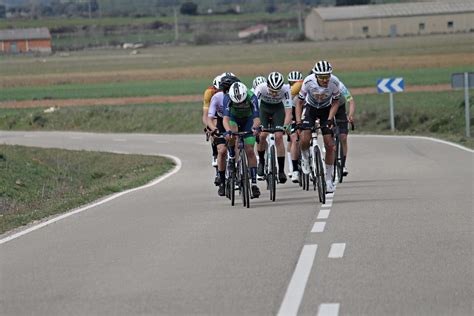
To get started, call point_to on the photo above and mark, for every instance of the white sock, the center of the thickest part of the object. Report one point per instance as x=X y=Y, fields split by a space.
x=329 y=171
x=290 y=165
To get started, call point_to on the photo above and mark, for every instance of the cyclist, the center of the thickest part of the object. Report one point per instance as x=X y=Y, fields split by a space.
x=295 y=80
x=241 y=114
x=342 y=115
x=318 y=98
x=215 y=123
x=258 y=80
x=208 y=93
x=275 y=102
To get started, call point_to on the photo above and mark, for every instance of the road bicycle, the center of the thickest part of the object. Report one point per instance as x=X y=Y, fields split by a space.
x=316 y=166
x=270 y=170
x=339 y=158
x=238 y=172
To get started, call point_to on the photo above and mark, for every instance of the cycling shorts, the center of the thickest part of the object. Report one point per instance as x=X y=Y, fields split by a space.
x=244 y=125
x=310 y=114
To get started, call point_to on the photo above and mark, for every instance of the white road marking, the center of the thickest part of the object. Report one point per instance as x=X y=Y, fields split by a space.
x=161 y=142
x=318 y=227
x=328 y=309
x=337 y=250
x=82 y=209
x=30 y=136
x=324 y=213
x=294 y=293
x=330 y=195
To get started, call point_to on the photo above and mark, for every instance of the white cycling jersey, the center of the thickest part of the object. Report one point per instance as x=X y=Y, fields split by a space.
x=283 y=96
x=318 y=96
x=216 y=107
x=345 y=93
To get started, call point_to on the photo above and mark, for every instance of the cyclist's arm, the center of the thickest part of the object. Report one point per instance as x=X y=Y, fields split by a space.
x=255 y=107
x=299 y=104
x=334 y=104
x=205 y=106
x=226 y=119
x=351 y=110
x=212 y=113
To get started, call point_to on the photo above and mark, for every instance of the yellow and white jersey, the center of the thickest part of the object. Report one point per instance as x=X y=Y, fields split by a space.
x=210 y=91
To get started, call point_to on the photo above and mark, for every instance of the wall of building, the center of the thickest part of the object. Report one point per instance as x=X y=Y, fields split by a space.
x=317 y=29
x=23 y=46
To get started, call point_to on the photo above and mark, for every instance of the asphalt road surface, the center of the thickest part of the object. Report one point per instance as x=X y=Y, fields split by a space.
x=396 y=238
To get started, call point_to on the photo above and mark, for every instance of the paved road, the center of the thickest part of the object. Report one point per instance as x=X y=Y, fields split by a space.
x=397 y=238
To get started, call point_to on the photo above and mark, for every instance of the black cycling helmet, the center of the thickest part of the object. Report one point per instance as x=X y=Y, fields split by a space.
x=226 y=82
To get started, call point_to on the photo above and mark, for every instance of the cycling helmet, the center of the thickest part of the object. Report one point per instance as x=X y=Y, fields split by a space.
x=226 y=82
x=238 y=92
x=216 y=82
x=275 y=80
x=295 y=76
x=322 y=67
x=227 y=74
x=258 y=80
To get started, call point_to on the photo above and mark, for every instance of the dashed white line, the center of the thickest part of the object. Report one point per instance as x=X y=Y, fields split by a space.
x=294 y=293
x=330 y=195
x=337 y=250
x=318 y=227
x=324 y=213
x=328 y=309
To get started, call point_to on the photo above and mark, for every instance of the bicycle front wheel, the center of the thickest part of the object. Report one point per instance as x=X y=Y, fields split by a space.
x=273 y=173
x=320 y=179
x=244 y=180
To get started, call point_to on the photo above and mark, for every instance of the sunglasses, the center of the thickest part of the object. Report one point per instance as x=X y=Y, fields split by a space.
x=323 y=77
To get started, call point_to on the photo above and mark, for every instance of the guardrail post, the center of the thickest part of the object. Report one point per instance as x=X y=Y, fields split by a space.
x=392 y=114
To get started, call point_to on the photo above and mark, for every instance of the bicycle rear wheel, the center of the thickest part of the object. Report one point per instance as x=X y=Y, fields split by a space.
x=244 y=180
x=273 y=173
x=320 y=179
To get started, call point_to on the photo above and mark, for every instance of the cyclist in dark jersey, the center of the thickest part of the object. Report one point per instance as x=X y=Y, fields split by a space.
x=241 y=114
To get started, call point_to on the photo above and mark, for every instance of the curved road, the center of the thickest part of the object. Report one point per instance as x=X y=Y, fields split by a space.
x=396 y=238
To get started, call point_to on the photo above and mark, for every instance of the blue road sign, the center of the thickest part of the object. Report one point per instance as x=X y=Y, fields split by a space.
x=390 y=85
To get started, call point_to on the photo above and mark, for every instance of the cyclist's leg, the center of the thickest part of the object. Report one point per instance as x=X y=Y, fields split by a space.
x=343 y=133
x=221 y=151
x=262 y=145
x=279 y=120
x=308 y=118
x=328 y=138
x=249 y=144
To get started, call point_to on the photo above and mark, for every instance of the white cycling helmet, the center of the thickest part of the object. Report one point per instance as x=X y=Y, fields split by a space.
x=295 y=76
x=258 y=80
x=227 y=74
x=217 y=81
x=238 y=92
x=275 y=80
x=322 y=67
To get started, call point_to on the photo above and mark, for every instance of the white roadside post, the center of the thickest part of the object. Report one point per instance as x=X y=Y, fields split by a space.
x=391 y=85
x=464 y=80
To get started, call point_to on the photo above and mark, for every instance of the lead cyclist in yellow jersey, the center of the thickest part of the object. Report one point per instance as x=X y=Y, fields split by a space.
x=295 y=79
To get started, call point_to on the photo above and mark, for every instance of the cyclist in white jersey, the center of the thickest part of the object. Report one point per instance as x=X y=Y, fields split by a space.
x=274 y=100
x=318 y=98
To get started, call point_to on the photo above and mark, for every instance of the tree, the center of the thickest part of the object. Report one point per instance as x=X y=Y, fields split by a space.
x=188 y=8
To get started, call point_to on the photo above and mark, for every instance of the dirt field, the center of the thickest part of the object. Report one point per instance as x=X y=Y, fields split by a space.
x=172 y=99
x=341 y=65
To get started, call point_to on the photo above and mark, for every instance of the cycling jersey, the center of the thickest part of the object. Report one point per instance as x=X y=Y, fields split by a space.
x=210 y=91
x=318 y=96
x=283 y=96
x=217 y=105
x=248 y=108
x=345 y=93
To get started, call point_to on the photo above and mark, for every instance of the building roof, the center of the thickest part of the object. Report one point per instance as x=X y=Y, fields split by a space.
x=23 y=34
x=395 y=10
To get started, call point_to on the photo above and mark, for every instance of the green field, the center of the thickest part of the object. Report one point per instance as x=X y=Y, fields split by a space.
x=426 y=76
x=36 y=183
x=439 y=114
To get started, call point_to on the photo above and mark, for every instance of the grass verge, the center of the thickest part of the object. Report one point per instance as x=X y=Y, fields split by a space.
x=36 y=183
